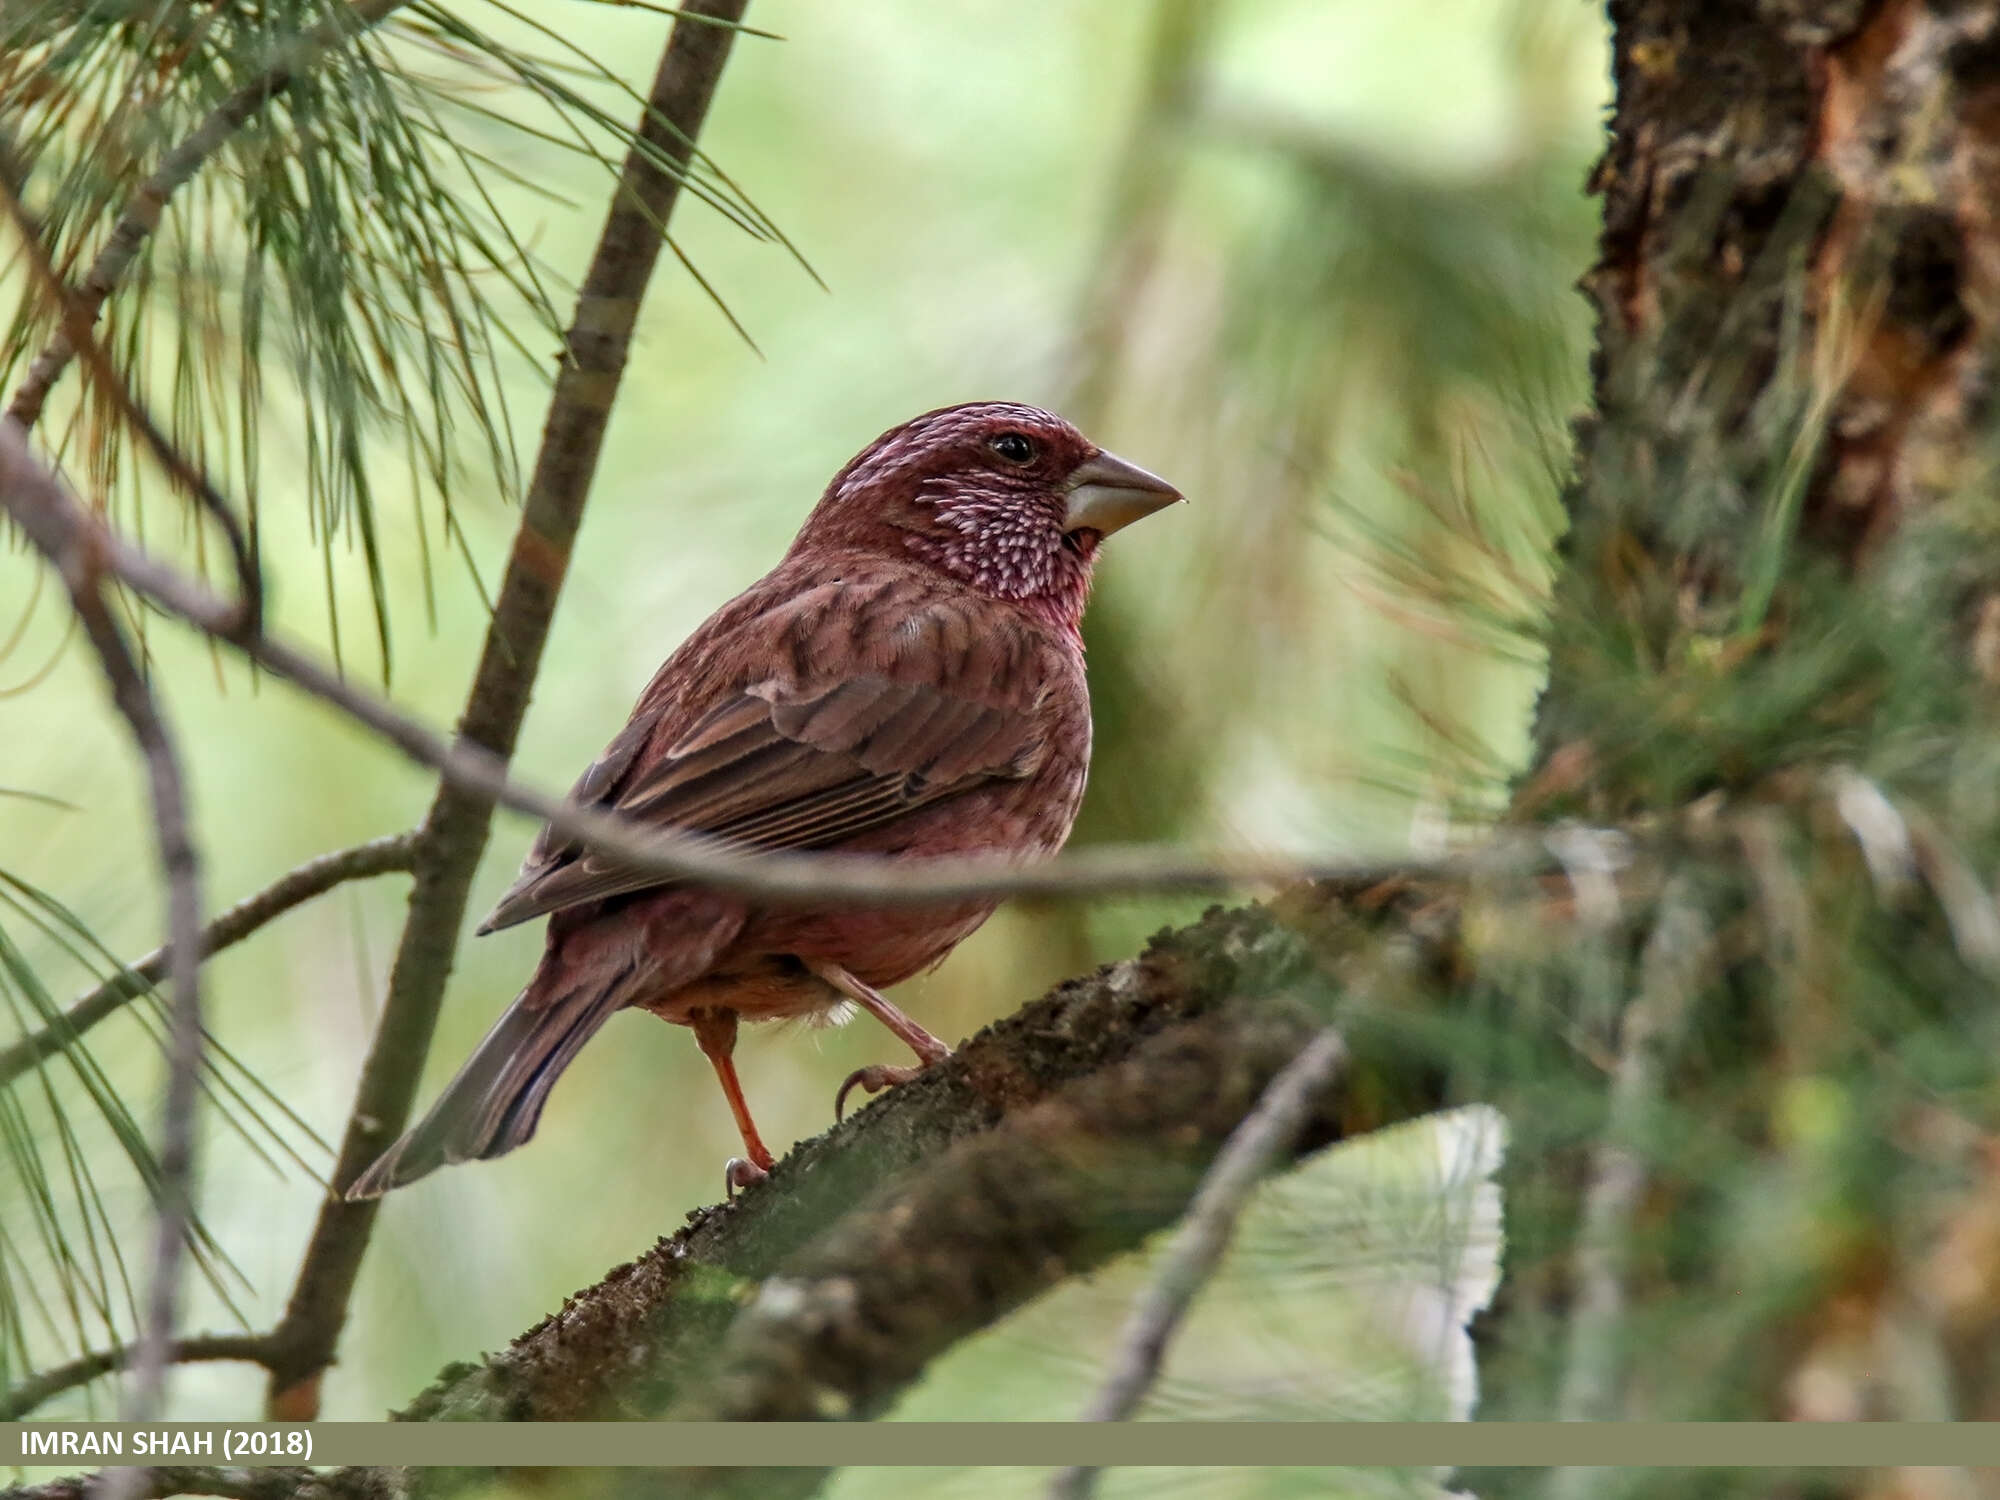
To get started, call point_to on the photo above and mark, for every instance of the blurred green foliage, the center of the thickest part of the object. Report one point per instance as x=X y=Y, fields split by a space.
x=1313 y=261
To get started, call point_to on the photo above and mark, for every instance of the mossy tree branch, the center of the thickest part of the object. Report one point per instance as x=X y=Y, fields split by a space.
x=1048 y=1143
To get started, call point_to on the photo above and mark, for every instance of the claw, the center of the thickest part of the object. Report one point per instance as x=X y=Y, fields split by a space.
x=738 y=1173
x=873 y=1080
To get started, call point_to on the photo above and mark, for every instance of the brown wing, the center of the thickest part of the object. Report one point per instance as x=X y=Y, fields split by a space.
x=783 y=768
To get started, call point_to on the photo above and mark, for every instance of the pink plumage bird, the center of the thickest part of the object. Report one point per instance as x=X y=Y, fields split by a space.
x=907 y=682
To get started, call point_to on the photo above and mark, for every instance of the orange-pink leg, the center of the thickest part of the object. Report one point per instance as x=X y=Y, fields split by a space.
x=715 y=1032
x=880 y=1076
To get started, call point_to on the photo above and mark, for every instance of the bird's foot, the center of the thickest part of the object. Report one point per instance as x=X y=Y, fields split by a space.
x=739 y=1172
x=873 y=1080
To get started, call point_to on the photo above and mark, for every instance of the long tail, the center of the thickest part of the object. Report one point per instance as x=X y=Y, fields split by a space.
x=492 y=1105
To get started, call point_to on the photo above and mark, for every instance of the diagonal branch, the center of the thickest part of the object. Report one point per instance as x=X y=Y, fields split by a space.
x=1054 y=1190
x=181 y=867
x=383 y=856
x=454 y=833
x=1671 y=970
x=478 y=775
x=141 y=214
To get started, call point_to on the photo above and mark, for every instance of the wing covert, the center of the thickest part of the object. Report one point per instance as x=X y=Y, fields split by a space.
x=774 y=767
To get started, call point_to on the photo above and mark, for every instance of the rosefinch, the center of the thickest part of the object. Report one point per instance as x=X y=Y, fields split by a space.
x=907 y=681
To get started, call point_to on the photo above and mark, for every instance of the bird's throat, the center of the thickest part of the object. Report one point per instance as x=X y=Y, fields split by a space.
x=1052 y=583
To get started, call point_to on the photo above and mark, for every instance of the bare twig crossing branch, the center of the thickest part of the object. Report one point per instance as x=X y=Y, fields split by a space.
x=861 y=879
x=1670 y=974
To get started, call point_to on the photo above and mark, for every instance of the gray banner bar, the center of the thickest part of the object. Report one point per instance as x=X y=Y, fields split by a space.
x=81 y=1445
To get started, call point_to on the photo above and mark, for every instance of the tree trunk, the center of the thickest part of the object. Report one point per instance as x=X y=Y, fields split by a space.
x=1771 y=650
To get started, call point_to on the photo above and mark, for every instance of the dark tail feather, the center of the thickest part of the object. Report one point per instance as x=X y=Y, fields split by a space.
x=492 y=1105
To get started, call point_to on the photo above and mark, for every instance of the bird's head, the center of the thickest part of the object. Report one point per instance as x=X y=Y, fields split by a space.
x=1009 y=499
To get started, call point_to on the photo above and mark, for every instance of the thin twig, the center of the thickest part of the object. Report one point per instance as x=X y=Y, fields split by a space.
x=1253 y=1148
x=1967 y=904
x=480 y=776
x=315 y=877
x=141 y=214
x=181 y=868
x=455 y=831
x=25 y=490
x=872 y=879
x=15 y=1404
x=1670 y=971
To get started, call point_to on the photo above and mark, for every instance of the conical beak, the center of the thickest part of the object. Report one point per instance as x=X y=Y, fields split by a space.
x=1106 y=493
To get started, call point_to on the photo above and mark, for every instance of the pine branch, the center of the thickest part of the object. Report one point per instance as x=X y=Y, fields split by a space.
x=141 y=214
x=383 y=856
x=74 y=319
x=454 y=833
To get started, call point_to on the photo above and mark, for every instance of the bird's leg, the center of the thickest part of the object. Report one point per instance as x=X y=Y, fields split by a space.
x=880 y=1076
x=715 y=1033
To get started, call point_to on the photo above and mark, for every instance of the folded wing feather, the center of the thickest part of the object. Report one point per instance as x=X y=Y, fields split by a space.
x=776 y=768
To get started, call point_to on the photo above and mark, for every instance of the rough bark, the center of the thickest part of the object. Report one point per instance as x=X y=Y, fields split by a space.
x=1779 y=569
x=1795 y=291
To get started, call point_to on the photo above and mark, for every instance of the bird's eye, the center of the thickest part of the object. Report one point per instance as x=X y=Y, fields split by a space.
x=1015 y=447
